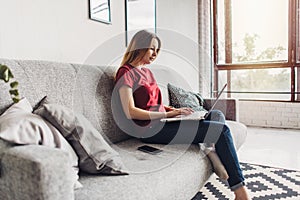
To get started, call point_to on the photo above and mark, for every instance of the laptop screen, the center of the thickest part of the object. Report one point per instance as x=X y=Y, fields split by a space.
x=218 y=97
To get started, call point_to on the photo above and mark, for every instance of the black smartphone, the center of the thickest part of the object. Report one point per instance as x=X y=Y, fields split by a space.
x=149 y=149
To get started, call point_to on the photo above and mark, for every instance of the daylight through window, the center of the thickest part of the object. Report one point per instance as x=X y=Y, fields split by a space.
x=257 y=48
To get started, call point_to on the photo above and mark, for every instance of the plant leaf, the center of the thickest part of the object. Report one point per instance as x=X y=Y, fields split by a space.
x=15 y=99
x=5 y=73
x=14 y=92
x=14 y=85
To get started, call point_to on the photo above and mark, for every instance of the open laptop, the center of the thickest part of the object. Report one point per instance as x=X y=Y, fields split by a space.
x=197 y=115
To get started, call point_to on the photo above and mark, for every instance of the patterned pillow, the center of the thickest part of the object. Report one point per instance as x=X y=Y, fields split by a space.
x=179 y=97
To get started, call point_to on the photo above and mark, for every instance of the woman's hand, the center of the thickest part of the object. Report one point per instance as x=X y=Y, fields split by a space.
x=179 y=111
x=133 y=112
x=169 y=108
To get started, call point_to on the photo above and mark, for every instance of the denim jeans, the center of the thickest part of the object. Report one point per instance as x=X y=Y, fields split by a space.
x=211 y=130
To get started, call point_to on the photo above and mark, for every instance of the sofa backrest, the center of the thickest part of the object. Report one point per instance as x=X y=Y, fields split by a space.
x=84 y=88
x=165 y=75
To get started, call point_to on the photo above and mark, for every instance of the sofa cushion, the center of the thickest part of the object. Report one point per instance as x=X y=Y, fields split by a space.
x=36 y=172
x=176 y=173
x=185 y=167
x=95 y=154
x=178 y=97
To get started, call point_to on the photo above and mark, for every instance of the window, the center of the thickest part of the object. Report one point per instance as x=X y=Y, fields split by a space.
x=297 y=76
x=298 y=31
x=255 y=46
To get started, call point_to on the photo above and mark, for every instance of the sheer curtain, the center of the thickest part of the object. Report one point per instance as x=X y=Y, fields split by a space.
x=205 y=47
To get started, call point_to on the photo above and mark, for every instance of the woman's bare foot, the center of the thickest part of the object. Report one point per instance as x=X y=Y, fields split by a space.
x=241 y=193
x=218 y=167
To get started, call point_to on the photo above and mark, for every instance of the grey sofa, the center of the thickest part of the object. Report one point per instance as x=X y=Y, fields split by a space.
x=39 y=172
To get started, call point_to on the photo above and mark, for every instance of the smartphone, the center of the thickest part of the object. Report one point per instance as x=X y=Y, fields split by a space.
x=149 y=149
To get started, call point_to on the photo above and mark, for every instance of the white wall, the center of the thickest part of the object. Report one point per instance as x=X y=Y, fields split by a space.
x=270 y=114
x=60 y=30
x=57 y=30
x=177 y=23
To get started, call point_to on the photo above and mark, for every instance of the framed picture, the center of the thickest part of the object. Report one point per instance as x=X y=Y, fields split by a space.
x=99 y=10
x=140 y=14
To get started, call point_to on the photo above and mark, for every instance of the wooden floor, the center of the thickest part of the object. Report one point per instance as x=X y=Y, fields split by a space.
x=272 y=147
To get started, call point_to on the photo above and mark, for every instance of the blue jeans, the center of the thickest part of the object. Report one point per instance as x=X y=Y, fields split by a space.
x=211 y=130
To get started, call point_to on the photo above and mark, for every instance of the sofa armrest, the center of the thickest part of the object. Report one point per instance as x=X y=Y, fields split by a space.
x=228 y=106
x=35 y=172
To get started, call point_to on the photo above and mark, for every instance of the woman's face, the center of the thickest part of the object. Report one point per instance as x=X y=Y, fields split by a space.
x=151 y=53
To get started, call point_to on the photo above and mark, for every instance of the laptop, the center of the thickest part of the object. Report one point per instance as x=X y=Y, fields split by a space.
x=197 y=115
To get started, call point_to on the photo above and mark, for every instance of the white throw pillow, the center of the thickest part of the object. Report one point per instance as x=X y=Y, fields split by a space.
x=18 y=125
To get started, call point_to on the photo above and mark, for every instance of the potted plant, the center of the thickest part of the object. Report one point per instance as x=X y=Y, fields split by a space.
x=6 y=75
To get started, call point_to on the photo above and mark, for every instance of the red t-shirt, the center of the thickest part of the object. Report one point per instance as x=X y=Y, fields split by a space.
x=146 y=95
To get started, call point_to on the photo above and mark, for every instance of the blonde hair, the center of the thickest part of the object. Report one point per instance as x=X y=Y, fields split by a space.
x=138 y=46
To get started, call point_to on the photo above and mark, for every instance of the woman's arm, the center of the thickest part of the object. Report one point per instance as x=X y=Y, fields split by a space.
x=133 y=112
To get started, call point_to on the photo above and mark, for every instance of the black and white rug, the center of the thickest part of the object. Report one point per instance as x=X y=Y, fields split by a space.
x=263 y=183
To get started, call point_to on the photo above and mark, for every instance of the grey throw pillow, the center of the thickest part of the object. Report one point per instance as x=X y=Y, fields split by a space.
x=95 y=154
x=179 y=97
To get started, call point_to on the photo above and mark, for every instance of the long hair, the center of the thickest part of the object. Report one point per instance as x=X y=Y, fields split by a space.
x=138 y=46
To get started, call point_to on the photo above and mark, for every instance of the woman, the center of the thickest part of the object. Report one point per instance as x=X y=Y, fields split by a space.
x=141 y=108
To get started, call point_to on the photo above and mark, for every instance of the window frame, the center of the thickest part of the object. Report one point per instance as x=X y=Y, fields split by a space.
x=229 y=66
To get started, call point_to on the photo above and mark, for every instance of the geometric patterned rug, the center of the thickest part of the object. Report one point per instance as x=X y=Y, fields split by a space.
x=263 y=183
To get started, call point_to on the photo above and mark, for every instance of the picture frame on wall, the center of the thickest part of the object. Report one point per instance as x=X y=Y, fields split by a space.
x=140 y=14
x=99 y=10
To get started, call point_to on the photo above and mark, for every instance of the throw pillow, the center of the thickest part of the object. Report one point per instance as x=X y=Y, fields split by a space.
x=42 y=101
x=18 y=125
x=95 y=154
x=179 y=97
